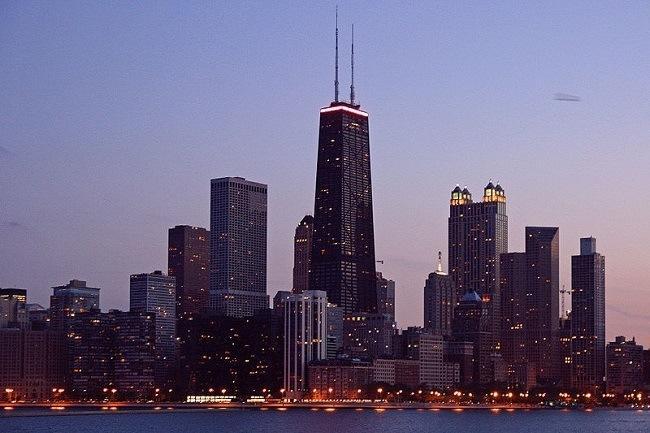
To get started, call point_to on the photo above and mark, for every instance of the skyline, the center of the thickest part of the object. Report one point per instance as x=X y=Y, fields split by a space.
x=43 y=155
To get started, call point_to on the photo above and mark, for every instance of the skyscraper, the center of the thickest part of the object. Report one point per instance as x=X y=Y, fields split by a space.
x=478 y=235
x=588 y=316
x=439 y=301
x=305 y=337
x=238 y=246
x=343 y=254
x=514 y=306
x=188 y=260
x=472 y=324
x=71 y=299
x=624 y=365
x=543 y=299
x=156 y=293
x=302 y=244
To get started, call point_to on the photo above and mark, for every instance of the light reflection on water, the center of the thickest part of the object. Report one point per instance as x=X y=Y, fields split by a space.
x=327 y=420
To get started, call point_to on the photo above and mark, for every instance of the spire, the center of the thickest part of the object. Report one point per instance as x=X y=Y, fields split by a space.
x=439 y=269
x=352 y=64
x=336 y=61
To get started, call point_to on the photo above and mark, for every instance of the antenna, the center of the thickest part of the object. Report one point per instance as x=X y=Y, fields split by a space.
x=336 y=61
x=439 y=270
x=352 y=64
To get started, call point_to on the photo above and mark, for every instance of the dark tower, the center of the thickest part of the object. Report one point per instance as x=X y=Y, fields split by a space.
x=302 y=245
x=343 y=254
x=478 y=235
x=588 y=316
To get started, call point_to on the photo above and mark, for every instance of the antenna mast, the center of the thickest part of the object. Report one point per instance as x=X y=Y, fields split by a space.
x=352 y=64
x=336 y=61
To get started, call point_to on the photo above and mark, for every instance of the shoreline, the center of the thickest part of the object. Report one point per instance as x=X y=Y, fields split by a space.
x=78 y=409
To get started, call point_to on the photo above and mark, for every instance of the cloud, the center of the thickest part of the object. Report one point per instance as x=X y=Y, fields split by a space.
x=13 y=225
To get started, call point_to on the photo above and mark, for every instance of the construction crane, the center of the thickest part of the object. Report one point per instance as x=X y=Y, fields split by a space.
x=563 y=292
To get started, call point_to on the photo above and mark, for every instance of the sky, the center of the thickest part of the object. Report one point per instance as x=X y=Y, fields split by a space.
x=114 y=116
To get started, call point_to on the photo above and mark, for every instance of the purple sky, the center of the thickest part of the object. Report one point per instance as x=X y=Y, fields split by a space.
x=115 y=116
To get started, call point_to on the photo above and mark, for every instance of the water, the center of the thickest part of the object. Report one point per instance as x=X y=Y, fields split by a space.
x=339 y=421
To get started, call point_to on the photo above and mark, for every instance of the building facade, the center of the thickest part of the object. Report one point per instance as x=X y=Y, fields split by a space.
x=588 y=316
x=478 y=235
x=624 y=365
x=339 y=379
x=302 y=245
x=69 y=300
x=368 y=335
x=238 y=219
x=472 y=324
x=343 y=253
x=188 y=260
x=305 y=338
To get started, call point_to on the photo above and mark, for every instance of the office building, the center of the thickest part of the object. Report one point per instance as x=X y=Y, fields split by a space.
x=588 y=316
x=385 y=296
x=243 y=355
x=305 y=338
x=13 y=312
x=400 y=372
x=32 y=365
x=302 y=245
x=439 y=301
x=369 y=335
x=472 y=324
x=69 y=300
x=514 y=306
x=335 y=330
x=343 y=253
x=564 y=352
x=238 y=210
x=478 y=235
x=188 y=260
x=624 y=365
x=339 y=379
x=156 y=293
x=543 y=311
x=113 y=355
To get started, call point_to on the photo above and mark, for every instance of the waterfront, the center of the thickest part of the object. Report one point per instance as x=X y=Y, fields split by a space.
x=324 y=420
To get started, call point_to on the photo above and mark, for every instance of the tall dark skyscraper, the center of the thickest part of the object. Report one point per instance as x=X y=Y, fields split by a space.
x=478 y=235
x=439 y=301
x=302 y=245
x=188 y=260
x=238 y=246
x=588 y=316
x=543 y=290
x=513 y=317
x=343 y=254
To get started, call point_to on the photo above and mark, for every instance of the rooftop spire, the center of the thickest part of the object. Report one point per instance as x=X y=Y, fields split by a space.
x=352 y=64
x=336 y=61
x=439 y=269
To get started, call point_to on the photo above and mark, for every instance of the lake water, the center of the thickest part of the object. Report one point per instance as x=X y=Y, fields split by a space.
x=339 y=421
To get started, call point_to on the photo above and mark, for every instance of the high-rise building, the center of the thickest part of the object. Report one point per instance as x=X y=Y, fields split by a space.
x=439 y=301
x=305 y=338
x=113 y=355
x=369 y=335
x=427 y=348
x=156 y=293
x=564 y=352
x=624 y=365
x=543 y=290
x=32 y=365
x=71 y=299
x=385 y=296
x=242 y=355
x=238 y=246
x=188 y=260
x=478 y=235
x=302 y=245
x=343 y=253
x=335 y=330
x=513 y=317
x=13 y=311
x=472 y=324
x=588 y=316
